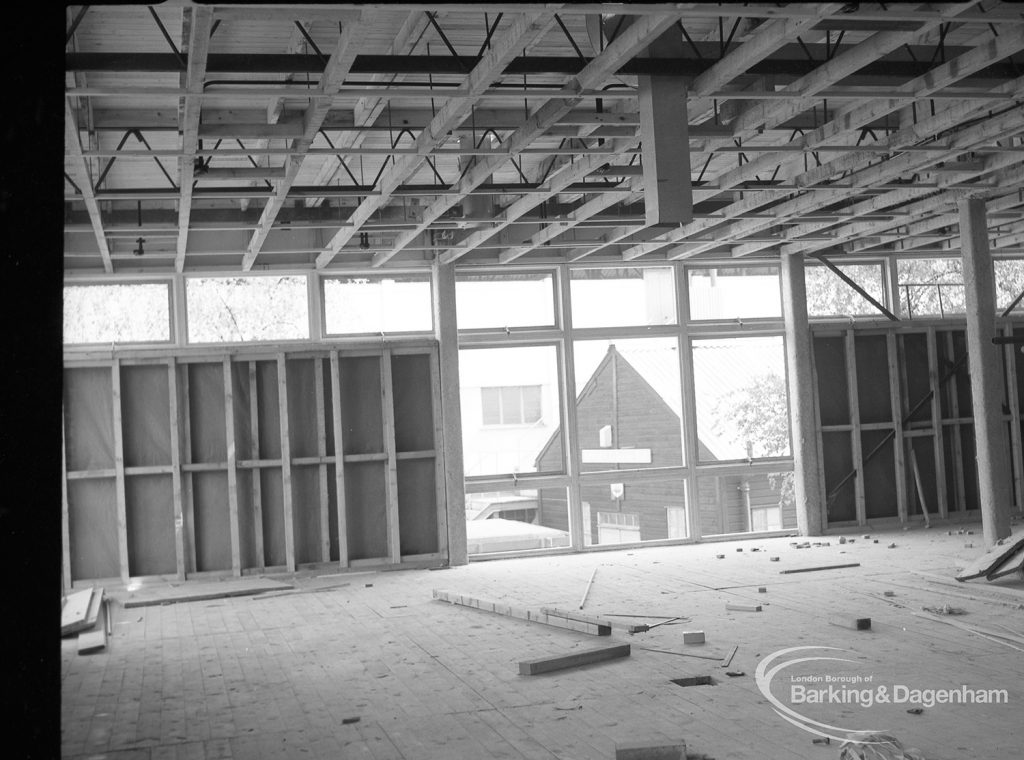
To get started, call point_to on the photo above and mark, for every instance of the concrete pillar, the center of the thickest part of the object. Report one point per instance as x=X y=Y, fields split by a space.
x=451 y=410
x=985 y=364
x=806 y=466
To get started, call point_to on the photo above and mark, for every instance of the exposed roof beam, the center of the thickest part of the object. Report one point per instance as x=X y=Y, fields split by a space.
x=525 y=29
x=198 y=49
x=80 y=173
x=338 y=66
x=623 y=48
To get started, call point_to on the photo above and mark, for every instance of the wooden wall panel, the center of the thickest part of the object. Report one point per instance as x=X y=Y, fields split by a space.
x=212 y=524
x=924 y=455
x=249 y=554
x=361 y=405
x=830 y=361
x=874 y=400
x=92 y=524
x=241 y=403
x=306 y=509
x=332 y=515
x=413 y=402
x=149 y=501
x=206 y=413
x=268 y=409
x=417 y=506
x=916 y=377
x=879 y=477
x=89 y=419
x=366 y=510
x=274 y=553
x=145 y=415
x=302 y=427
x=837 y=461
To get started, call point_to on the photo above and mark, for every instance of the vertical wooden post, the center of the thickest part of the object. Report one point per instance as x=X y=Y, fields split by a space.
x=65 y=519
x=958 y=441
x=899 y=445
x=188 y=499
x=339 y=461
x=391 y=463
x=254 y=453
x=855 y=433
x=442 y=513
x=229 y=438
x=687 y=421
x=941 y=497
x=570 y=442
x=286 y=463
x=119 y=489
x=443 y=287
x=819 y=437
x=800 y=377
x=179 y=517
x=985 y=367
x=321 y=451
x=1017 y=445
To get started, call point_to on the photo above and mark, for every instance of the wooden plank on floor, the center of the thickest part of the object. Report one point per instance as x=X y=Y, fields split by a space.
x=817 y=568
x=572 y=660
x=95 y=640
x=94 y=608
x=523 y=614
x=993 y=558
x=75 y=610
x=200 y=591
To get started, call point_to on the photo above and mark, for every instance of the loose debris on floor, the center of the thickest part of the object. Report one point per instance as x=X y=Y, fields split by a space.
x=85 y=613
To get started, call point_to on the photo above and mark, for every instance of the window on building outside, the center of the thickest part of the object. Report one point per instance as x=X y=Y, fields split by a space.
x=511 y=405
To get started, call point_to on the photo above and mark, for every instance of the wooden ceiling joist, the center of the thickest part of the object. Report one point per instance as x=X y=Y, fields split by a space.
x=79 y=170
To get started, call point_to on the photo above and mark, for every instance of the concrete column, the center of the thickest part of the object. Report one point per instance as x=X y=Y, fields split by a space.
x=806 y=466
x=985 y=364
x=451 y=410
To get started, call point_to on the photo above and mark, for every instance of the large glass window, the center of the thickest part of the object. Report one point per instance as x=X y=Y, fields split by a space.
x=741 y=399
x=122 y=313
x=377 y=304
x=619 y=297
x=634 y=511
x=504 y=300
x=745 y=503
x=930 y=287
x=829 y=296
x=734 y=292
x=235 y=309
x=1009 y=283
x=511 y=415
x=518 y=520
x=628 y=403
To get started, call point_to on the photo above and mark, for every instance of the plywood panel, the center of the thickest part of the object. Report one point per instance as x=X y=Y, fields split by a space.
x=915 y=372
x=241 y=403
x=212 y=525
x=149 y=503
x=837 y=461
x=302 y=427
x=306 y=510
x=366 y=510
x=417 y=507
x=332 y=514
x=249 y=555
x=268 y=410
x=830 y=362
x=89 y=419
x=145 y=415
x=970 y=467
x=413 y=402
x=328 y=408
x=879 y=476
x=206 y=413
x=361 y=407
x=873 y=396
x=92 y=525
x=273 y=516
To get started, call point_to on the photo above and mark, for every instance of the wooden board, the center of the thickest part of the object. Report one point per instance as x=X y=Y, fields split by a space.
x=573 y=660
x=993 y=558
x=1008 y=566
x=194 y=591
x=815 y=569
x=523 y=614
x=95 y=640
x=94 y=609
x=577 y=616
x=75 y=611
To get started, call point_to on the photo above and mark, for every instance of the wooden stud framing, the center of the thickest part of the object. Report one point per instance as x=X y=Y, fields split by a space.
x=954 y=410
x=229 y=439
x=321 y=448
x=391 y=466
x=855 y=440
x=442 y=512
x=65 y=520
x=339 y=460
x=119 y=489
x=570 y=443
x=188 y=502
x=257 y=486
x=892 y=357
x=1013 y=401
x=286 y=464
x=941 y=497
x=176 y=489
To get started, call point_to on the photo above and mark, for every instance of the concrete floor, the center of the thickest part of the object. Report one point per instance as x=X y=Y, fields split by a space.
x=368 y=665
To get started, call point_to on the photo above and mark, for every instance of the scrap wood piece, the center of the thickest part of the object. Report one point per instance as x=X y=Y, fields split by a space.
x=820 y=567
x=728 y=658
x=573 y=660
x=681 y=654
x=603 y=629
x=94 y=609
x=1013 y=563
x=197 y=592
x=733 y=606
x=96 y=639
x=586 y=591
x=672 y=749
x=75 y=611
x=853 y=623
x=945 y=609
x=991 y=560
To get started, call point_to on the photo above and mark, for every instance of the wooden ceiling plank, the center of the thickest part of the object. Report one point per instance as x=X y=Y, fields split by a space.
x=198 y=50
x=623 y=48
x=337 y=68
x=492 y=64
x=80 y=174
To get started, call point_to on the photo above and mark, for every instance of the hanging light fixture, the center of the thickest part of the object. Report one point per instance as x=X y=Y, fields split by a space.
x=140 y=240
